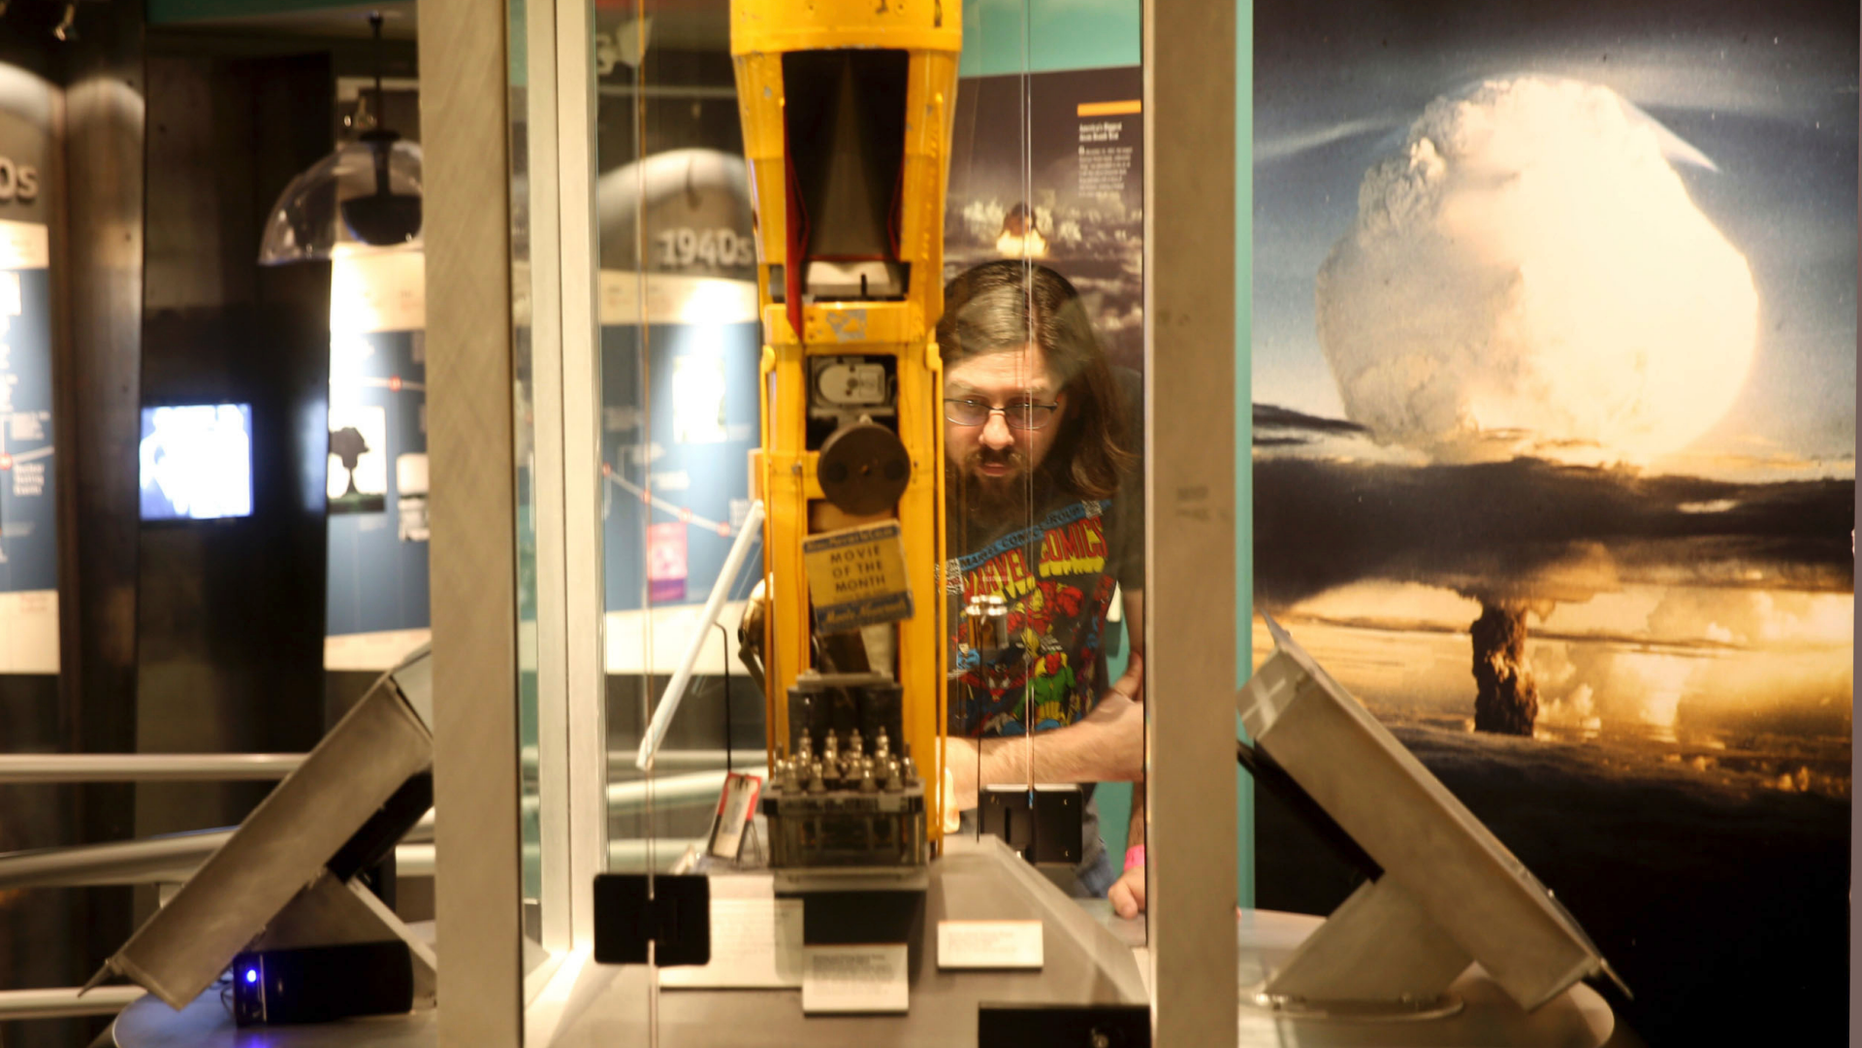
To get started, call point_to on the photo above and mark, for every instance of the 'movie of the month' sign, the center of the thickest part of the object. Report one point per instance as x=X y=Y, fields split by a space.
x=856 y=577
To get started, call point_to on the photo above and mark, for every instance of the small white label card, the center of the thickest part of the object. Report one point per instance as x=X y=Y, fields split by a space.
x=855 y=979
x=989 y=944
x=756 y=943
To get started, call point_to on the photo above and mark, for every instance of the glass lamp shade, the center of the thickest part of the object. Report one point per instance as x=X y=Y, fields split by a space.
x=363 y=197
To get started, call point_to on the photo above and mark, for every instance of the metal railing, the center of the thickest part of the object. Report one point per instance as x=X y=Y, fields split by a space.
x=621 y=762
x=153 y=860
x=146 y=767
x=63 y=1002
x=23 y=768
x=626 y=855
x=173 y=858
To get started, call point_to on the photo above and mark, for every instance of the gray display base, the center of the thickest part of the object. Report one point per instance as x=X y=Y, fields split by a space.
x=1577 y=1018
x=1085 y=963
x=1091 y=956
x=206 y=1024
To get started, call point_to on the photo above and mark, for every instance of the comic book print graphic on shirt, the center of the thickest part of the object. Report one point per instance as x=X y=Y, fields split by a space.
x=1055 y=581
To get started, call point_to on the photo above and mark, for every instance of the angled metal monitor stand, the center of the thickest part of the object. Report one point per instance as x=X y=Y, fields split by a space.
x=1446 y=892
x=285 y=877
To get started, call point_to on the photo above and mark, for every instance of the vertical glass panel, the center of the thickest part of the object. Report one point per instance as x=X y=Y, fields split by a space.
x=1042 y=340
x=537 y=404
x=523 y=353
x=680 y=346
x=837 y=529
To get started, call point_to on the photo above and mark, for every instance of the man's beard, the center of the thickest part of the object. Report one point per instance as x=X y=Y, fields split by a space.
x=991 y=501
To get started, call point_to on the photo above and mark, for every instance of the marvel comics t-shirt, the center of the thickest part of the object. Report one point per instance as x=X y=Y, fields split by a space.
x=1056 y=577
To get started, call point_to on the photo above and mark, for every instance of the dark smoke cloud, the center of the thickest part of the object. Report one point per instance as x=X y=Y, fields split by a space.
x=1531 y=530
x=1275 y=425
x=1506 y=700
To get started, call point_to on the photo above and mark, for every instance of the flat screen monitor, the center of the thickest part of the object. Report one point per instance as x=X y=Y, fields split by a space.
x=196 y=461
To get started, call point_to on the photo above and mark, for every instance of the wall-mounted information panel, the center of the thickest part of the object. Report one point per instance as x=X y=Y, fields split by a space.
x=28 y=516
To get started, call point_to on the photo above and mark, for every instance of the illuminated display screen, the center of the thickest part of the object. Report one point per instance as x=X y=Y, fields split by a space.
x=196 y=461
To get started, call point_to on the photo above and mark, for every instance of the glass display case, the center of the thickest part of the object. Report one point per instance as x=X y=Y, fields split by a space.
x=834 y=605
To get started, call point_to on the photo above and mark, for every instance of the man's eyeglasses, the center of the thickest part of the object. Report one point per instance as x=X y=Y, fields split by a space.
x=1019 y=414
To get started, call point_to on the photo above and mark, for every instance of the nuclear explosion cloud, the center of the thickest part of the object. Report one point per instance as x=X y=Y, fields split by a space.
x=1529 y=274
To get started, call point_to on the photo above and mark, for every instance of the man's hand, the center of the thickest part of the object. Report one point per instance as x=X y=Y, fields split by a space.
x=1127 y=893
x=1107 y=745
x=960 y=761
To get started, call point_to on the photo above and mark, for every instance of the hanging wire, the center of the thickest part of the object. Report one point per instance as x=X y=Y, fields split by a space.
x=643 y=366
x=1027 y=201
x=644 y=370
x=381 y=98
x=724 y=663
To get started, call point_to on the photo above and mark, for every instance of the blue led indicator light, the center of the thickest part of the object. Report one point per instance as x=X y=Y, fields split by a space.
x=252 y=975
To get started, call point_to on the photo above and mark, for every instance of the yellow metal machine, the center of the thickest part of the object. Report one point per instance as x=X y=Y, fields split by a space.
x=847 y=108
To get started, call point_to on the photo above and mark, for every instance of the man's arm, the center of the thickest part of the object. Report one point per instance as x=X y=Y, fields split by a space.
x=1127 y=893
x=1107 y=745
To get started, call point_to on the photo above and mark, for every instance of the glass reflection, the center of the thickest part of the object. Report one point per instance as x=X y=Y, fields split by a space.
x=1045 y=528
x=680 y=345
x=1043 y=244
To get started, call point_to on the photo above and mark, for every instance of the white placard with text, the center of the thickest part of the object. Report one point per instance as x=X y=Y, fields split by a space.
x=989 y=944
x=855 y=979
x=756 y=943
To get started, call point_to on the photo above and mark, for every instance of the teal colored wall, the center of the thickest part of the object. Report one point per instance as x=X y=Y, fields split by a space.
x=1050 y=35
x=1244 y=421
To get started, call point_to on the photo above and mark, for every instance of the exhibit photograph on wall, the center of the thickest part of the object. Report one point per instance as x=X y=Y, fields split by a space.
x=1050 y=166
x=28 y=528
x=680 y=346
x=1554 y=386
x=676 y=457
x=376 y=491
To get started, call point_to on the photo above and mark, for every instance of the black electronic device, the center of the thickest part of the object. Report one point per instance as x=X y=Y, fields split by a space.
x=846 y=802
x=1025 y=1025
x=1274 y=780
x=317 y=984
x=857 y=918
x=1041 y=824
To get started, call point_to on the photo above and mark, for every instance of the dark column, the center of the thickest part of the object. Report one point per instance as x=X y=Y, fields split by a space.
x=231 y=613
x=35 y=927
x=97 y=290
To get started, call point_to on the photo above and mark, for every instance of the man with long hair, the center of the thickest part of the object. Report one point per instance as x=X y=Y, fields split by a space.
x=1044 y=522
